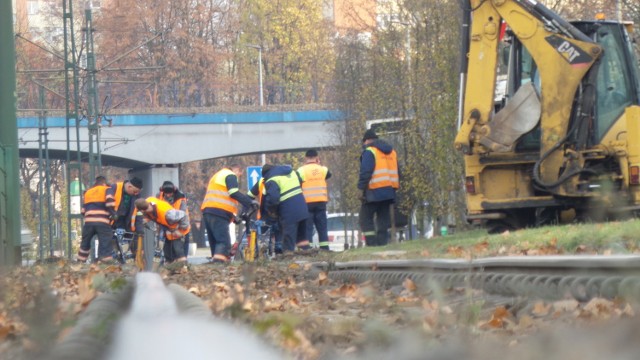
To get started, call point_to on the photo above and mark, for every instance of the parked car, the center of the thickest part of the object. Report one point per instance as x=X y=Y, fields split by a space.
x=337 y=223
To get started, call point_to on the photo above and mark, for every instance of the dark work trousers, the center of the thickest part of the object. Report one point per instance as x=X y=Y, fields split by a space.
x=318 y=218
x=293 y=233
x=276 y=234
x=173 y=249
x=217 y=234
x=375 y=220
x=187 y=240
x=105 y=239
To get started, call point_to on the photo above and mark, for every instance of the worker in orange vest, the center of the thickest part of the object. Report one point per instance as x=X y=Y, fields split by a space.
x=174 y=225
x=120 y=204
x=378 y=180
x=314 y=188
x=176 y=198
x=96 y=222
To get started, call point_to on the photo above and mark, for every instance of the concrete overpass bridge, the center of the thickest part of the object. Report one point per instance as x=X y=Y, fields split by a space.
x=151 y=145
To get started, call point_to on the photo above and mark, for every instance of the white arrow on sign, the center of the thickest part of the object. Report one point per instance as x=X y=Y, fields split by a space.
x=254 y=176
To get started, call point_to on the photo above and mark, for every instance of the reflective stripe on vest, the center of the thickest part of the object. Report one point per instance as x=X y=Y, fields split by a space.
x=217 y=195
x=314 y=183
x=117 y=196
x=94 y=207
x=385 y=174
x=289 y=185
x=162 y=207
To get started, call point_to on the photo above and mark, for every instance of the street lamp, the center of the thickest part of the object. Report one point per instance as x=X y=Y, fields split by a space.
x=259 y=69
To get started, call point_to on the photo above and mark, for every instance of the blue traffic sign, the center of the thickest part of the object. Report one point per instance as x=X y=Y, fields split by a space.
x=254 y=173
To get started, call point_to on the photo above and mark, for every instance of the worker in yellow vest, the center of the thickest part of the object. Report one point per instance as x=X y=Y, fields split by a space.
x=283 y=200
x=314 y=188
x=220 y=207
x=378 y=180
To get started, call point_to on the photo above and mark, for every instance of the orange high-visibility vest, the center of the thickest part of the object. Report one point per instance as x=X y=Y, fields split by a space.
x=314 y=186
x=385 y=174
x=176 y=204
x=97 y=196
x=118 y=199
x=118 y=195
x=160 y=216
x=217 y=195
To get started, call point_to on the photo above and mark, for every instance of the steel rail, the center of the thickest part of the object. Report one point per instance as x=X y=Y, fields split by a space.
x=546 y=277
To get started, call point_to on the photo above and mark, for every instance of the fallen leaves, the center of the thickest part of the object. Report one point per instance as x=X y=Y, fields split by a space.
x=323 y=278
x=86 y=290
x=310 y=317
x=499 y=318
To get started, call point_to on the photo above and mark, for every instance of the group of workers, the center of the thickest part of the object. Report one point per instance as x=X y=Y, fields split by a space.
x=291 y=202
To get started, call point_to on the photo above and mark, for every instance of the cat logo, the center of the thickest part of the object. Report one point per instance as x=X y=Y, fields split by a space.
x=569 y=51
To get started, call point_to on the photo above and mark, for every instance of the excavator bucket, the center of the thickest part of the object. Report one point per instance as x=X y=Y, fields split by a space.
x=518 y=117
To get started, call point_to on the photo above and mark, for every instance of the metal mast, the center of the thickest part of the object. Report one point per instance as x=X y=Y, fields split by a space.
x=9 y=175
x=45 y=225
x=73 y=168
x=93 y=115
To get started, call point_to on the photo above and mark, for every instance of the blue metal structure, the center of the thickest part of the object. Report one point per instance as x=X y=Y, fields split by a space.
x=9 y=185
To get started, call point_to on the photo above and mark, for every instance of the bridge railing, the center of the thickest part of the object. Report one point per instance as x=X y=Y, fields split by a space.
x=115 y=96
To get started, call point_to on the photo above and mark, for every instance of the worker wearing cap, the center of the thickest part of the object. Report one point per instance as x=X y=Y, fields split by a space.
x=176 y=198
x=314 y=188
x=283 y=199
x=378 y=181
x=120 y=199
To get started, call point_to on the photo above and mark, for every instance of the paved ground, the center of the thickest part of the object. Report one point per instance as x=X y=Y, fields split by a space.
x=201 y=256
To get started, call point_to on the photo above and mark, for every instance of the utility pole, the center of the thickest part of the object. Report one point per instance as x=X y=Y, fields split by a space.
x=263 y=157
x=93 y=115
x=10 y=253
x=45 y=223
x=72 y=96
x=618 y=10
x=259 y=48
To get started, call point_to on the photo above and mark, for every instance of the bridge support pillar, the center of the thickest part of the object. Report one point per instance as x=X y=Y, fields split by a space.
x=154 y=175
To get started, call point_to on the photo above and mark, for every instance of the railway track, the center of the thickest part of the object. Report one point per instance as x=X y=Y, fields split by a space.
x=545 y=277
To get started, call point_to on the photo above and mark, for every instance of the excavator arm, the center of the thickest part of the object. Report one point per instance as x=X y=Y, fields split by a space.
x=563 y=56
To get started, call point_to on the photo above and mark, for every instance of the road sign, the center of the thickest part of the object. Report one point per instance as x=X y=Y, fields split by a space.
x=254 y=173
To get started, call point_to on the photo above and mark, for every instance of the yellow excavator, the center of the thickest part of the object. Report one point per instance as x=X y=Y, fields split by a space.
x=549 y=117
